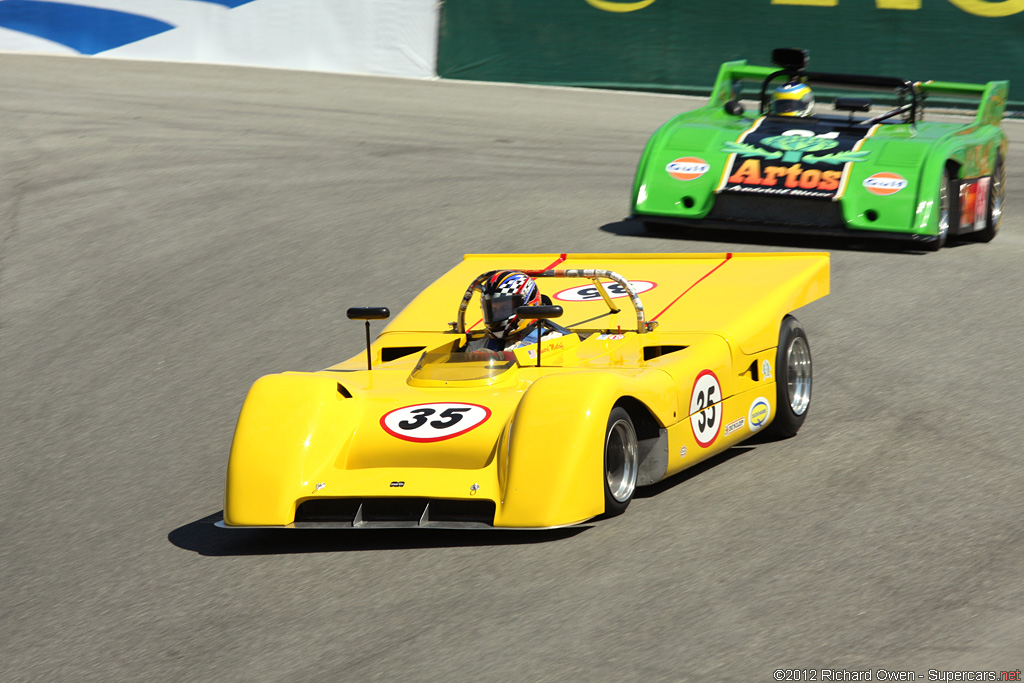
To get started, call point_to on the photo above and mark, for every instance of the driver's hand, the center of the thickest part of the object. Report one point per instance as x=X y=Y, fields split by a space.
x=487 y=354
x=483 y=354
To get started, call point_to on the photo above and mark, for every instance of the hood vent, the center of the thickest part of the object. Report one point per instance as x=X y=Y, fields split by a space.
x=651 y=352
x=396 y=352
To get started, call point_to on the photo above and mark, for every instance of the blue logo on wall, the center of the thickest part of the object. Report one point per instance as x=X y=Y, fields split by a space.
x=87 y=30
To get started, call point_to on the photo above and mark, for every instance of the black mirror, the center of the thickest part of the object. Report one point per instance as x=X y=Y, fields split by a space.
x=852 y=104
x=539 y=312
x=369 y=313
x=734 y=108
x=793 y=58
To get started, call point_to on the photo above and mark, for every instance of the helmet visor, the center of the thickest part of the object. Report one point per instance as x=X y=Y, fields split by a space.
x=789 y=106
x=498 y=309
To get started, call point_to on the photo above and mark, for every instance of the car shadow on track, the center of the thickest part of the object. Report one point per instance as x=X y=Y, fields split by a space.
x=203 y=537
x=633 y=228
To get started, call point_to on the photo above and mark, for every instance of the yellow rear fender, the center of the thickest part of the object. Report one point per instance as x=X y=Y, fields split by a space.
x=290 y=426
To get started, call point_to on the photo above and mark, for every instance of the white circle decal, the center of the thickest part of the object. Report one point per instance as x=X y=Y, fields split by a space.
x=705 y=408
x=433 y=421
x=687 y=168
x=614 y=289
x=885 y=183
x=760 y=411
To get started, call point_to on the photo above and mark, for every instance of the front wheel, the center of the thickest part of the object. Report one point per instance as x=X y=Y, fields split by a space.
x=947 y=186
x=621 y=461
x=792 y=380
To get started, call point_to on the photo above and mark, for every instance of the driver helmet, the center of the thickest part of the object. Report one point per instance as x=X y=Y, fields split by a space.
x=792 y=99
x=500 y=295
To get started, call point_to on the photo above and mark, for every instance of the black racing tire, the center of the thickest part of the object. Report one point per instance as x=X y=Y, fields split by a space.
x=792 y=380
x=948 y=201
x=996 y=198
x=621 y=462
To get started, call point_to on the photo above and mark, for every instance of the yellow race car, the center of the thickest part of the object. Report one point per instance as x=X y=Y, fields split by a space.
x=655 y=363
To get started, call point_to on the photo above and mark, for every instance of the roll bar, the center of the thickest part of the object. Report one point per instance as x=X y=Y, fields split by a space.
x=592 y=274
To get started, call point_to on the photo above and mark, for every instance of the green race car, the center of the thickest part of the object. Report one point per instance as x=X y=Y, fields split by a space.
x=871 y=167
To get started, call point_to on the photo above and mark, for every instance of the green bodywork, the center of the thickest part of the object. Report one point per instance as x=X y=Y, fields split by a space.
x=919 y=152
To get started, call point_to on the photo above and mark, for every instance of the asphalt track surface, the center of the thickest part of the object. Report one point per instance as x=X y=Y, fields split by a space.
x=170 y=233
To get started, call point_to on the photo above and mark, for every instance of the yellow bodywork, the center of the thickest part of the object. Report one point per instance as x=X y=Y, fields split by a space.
x=537 y=455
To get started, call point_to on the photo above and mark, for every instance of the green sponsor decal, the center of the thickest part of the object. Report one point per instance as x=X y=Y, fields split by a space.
x=793 y=149
x=773 y=157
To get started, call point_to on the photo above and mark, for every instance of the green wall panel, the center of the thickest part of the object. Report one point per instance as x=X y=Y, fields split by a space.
x=678 y=44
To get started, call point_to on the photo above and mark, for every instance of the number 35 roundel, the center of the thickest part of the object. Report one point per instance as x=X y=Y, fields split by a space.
x=706 y=409
x=433 y=421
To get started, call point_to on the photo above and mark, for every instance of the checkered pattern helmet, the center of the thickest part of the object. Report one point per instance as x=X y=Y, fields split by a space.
x=792 y=99
x=500 y=296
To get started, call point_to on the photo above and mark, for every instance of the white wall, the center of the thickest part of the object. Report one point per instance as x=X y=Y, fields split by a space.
x=393 y=37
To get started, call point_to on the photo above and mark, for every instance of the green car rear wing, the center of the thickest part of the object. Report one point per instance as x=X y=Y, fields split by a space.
x=989 y=98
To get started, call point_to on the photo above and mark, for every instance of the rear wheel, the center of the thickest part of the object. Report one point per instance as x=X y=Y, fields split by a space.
x=621 y=460
x=996 y=195
x=792 y=380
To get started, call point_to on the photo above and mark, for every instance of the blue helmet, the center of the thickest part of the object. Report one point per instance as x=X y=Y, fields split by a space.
x=792 y=99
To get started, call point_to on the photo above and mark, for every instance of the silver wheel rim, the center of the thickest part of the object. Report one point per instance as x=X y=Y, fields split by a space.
x=943 y=207
x=620 y=458
x=798 y=375
x=996 y=208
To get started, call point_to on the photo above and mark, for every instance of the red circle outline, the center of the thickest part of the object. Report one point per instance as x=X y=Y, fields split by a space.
x=403 y=437
x=718 y=429
x=617 y=296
